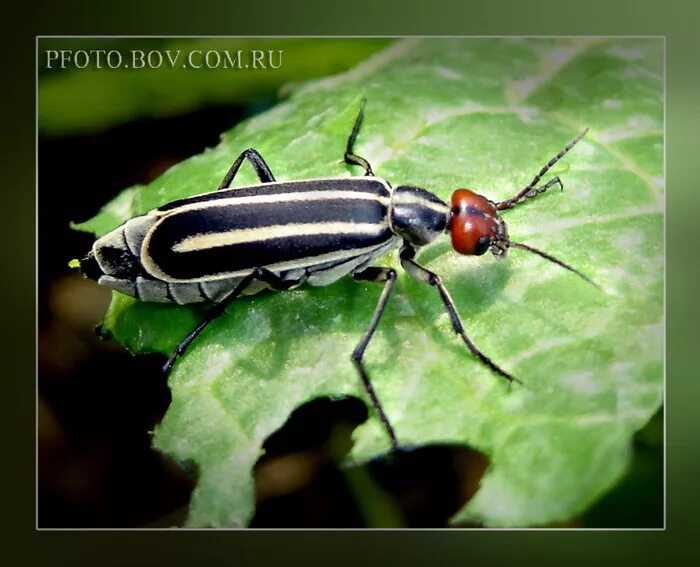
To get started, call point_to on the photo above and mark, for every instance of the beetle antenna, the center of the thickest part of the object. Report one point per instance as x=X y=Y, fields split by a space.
x=531 y=190
x=551 y=258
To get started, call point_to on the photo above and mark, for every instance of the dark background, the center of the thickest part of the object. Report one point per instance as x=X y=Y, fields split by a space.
x=676 y=20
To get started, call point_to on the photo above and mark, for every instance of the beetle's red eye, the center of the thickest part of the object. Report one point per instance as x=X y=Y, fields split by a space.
x=473 y=226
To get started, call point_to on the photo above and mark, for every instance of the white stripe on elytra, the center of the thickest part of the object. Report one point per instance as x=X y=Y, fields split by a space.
x=276 y=198
x=156 y=272
x=262 y=234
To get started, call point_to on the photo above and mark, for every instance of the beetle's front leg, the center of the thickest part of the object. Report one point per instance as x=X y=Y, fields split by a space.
x=418 y=272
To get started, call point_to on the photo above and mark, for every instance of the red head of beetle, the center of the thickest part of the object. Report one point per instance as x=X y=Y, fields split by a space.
x=475 y=225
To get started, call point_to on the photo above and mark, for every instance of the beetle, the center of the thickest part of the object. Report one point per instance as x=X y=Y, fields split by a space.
x=216 y=246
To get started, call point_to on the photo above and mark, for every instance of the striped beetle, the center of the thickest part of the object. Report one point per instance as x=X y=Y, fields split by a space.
x=217 y=246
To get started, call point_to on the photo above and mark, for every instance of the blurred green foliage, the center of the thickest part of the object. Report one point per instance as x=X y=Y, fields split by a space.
x=81 y=100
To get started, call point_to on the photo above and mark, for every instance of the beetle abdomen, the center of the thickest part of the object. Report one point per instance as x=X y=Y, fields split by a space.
x=118 y=253
x=115 y=262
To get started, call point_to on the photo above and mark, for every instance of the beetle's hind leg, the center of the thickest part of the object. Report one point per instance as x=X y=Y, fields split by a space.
x=260 y=274
x=387 y=276
x=350 y=157
x=256 y=160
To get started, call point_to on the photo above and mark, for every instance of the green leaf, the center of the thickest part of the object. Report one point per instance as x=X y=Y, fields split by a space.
x=444 y=114
x=81 y=100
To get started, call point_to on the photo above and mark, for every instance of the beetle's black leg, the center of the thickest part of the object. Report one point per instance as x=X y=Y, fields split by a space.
x=387 y=276
x=424 y=275
x=531 y=190
x=213 y=313
x=261 y=274
x=350 y=157
x=273 y=280
x=256 y=160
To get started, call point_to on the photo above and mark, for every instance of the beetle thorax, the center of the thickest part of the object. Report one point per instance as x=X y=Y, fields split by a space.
x=417 y=215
